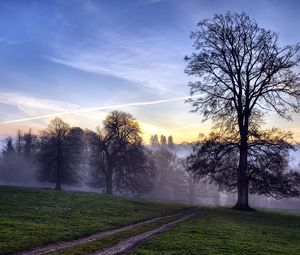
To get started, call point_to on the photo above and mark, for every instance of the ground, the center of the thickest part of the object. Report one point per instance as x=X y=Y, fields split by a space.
x=31 y=217
x=225 y=231
x=34 y=217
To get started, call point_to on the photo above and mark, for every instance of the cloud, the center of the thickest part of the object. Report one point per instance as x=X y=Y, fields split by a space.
x=38 y=104
x=35 y=105
x=146 y=58
x=145 y=69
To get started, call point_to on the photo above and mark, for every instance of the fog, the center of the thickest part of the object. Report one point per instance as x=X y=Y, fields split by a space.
x=171 y=183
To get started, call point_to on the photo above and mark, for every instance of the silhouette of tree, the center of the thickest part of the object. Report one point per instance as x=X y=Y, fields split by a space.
x=171 y=145
x=29 y=145
x=163 y=140
x=154 y=142
x=113 y=145
x=136 y=172
x=215 y=159
x=18 y=143
x=8 y=153
x=242 y=72
x=59 y=155
x=25 y=145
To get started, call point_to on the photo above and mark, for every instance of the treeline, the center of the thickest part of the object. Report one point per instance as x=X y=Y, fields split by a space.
x=113 y=159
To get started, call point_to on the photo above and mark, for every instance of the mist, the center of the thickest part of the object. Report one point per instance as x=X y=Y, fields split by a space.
x=170 y=181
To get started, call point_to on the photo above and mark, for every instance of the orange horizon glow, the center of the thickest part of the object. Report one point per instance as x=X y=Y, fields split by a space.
x=180 y=135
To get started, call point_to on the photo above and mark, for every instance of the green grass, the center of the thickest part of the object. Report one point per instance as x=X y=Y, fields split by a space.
x=225 y=231
x=33 y=217
x=112 y=240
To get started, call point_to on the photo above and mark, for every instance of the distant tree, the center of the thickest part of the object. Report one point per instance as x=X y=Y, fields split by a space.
x=25 y=145
x=154 y=142
x=18 y=143
x=59 y=155
x=215 y=159
x=8 y=159
x=114 y=143
x=17 y=166
x=163 y=140
x=165 y=162
x=136 y=172
x=8 y=152
x=171 y=145
x=242 y=71
x=30 y=145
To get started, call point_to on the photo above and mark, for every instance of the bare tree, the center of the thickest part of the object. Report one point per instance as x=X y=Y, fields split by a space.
x=171 y=145
x=215 y=159
x=59 y=155
x=154 y=142
x=242 y=72
x=29 y=145
x=8 y=159
x=112 y=145
x=135 y=171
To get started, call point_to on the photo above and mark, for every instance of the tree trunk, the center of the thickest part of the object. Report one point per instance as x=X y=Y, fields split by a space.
x=58 y=169
x=108 y=181
x=242 y=202
x=58 y=185
x=58 y=178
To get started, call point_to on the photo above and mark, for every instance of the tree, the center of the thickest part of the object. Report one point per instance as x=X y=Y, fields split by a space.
x=18 y=143
x=163 y=140
x=215 y=159
x=113 y=144
x=154 y=142
x=8 y=155
x=8 y=159
x=242 y=72
x=30 y=145
x=26 y=145
x=8 y=152
x=171 y=145
x=59 y=155
x=135 y=172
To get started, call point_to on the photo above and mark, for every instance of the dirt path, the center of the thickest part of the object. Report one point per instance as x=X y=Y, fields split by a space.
x=132 y=242
x=69 y=244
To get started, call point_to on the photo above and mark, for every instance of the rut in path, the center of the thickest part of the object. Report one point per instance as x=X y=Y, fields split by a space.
x=132 y=242
x=69 y=244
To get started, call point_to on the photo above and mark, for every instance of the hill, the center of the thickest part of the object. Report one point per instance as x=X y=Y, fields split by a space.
x=218 y=231
x=78 y=223
x=33 y=217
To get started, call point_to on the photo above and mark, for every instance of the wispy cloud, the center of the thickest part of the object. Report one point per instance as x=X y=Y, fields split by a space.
x=142 y=67
x=35 y=105
x=146 y=58
x=101 y=108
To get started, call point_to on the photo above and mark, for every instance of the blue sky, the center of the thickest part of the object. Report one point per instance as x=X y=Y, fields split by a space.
x=58 y=56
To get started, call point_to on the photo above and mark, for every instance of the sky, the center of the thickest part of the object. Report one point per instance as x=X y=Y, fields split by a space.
x=85 y=58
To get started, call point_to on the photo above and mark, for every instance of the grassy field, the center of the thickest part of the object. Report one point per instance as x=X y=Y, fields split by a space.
x=34 y=217
x=224 y=231
x=92 y=247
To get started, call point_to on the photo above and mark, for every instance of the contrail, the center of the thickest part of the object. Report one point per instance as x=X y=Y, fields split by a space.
x=99 y=108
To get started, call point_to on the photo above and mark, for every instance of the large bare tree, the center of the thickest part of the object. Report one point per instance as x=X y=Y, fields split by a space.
x=241 y=73
x=60 y=153
x=117 y=154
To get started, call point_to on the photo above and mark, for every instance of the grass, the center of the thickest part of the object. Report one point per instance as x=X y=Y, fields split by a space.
x=112 y=240
x=225 y=231
x=33 y=217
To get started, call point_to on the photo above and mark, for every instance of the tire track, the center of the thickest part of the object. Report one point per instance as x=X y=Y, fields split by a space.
x=98 y=236
x=132 y=242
